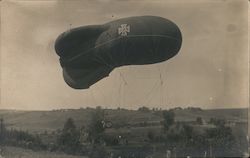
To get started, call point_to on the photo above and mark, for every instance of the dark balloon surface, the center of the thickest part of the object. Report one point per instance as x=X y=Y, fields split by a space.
x=90 y=53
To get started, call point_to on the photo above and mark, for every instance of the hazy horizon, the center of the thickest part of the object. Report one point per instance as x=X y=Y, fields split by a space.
x=92 y=107
x=210 y=71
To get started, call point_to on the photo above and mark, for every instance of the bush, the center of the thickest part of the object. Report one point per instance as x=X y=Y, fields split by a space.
x=168 y=116
x=96 y=126
x=151 y=136
x=217 y=122
x=68 y=140
x=144 y=109
x=98 y=152
x=199 y=120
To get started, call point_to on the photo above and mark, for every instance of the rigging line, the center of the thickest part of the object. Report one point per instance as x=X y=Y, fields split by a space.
x=116 y=94
x=149 y=98
x=150 y=92
x=104 y=98
x=122 y=87
x=163 y=94
x=123 y=78
x=165 y=89
x=91 y=92
x=120 y=91
x=113 y=101
x=162 y=82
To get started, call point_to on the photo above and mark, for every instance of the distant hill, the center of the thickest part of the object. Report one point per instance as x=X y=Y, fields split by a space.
x=39 y=121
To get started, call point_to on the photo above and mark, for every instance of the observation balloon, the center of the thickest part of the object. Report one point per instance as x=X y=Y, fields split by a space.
x=90 y=53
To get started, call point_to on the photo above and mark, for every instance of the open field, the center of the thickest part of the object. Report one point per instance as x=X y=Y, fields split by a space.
x=39 y=121
x=14 y=152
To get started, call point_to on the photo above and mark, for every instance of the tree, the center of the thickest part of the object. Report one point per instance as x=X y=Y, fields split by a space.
x=2 y=131
x=98 y=151
x=69 y=137
x=144 y=109
x=151 y=136
x=96 y=126
x=222 y=141
x=168 y=116
x=217 y=122
x=199 y=120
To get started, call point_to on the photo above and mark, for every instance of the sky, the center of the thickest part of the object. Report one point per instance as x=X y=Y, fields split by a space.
x=210 y=71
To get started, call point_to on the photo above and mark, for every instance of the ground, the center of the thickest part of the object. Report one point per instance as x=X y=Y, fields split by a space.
x=14 y=152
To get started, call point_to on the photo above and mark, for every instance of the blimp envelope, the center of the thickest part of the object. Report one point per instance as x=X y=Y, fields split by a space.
x=90 y=53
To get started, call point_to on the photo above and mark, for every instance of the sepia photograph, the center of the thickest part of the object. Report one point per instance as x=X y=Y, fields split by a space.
x=124 y=78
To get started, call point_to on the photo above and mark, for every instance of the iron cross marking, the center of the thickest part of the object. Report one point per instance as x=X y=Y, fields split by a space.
x=124 y=29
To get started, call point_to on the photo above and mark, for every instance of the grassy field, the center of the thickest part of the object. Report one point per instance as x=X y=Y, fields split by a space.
x=39 y=121
x=13 y=152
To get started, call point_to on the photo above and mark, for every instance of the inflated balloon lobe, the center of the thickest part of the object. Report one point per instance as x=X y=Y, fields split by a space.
x=90 y=53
